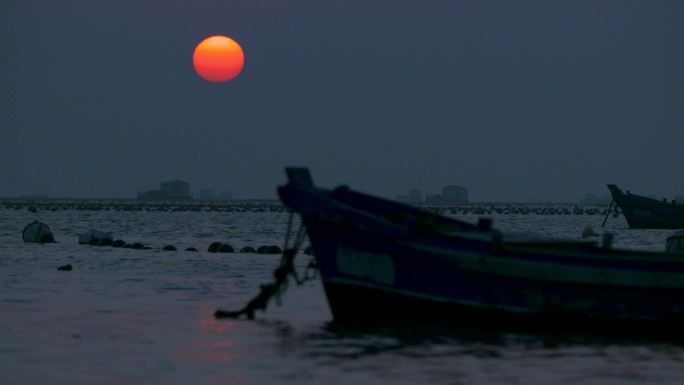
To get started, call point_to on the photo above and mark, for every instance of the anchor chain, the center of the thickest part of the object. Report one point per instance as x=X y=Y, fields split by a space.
x=281 y=274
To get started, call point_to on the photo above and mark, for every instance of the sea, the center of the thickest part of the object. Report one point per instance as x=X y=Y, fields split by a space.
x=146 y=316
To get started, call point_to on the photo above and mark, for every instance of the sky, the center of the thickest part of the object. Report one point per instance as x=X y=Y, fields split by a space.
x=518 y=101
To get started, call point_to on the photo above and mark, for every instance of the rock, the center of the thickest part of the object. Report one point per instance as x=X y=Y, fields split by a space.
x=37 y=232
x=95 y=238
x=225 y=248
x=270 y=249
x=214 y=247
x=118 y=243
x=273 y=249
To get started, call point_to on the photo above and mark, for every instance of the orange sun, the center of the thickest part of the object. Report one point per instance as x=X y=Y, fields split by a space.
x=218 y=59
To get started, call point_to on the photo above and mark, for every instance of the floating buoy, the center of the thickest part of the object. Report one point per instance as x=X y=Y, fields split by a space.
x=37 y=232
x=169 y=248
x=65 y=268
x=247 y=249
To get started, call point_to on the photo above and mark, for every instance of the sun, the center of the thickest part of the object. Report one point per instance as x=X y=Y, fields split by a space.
x=218 y=59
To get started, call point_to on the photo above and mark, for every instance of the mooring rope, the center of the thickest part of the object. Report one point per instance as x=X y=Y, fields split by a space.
x=285 y=269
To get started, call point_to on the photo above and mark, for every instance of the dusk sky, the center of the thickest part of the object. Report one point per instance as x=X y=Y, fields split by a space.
x=515 y=100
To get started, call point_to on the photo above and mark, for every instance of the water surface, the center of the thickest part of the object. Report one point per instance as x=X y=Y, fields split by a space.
x=125 y=316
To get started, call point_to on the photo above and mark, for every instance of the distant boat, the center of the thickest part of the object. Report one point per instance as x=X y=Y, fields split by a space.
x=647 y=213
x=382 y=261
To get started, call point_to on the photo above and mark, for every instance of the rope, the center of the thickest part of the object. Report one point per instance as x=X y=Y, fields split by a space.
x=281 y=273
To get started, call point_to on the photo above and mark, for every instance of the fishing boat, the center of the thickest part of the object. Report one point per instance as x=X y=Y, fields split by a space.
x=647 y=213
x=380 y=260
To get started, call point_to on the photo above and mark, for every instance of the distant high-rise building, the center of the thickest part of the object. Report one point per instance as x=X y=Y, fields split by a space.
x=170 y=190
x=176 y=189
x=455 y=195
x=451 y=196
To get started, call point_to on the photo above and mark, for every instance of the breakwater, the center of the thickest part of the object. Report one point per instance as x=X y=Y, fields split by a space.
x=275 y=206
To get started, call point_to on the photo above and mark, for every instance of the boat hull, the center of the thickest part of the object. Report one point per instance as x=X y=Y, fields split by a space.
x=646 y=213
x=369 y=278
x=384 y=261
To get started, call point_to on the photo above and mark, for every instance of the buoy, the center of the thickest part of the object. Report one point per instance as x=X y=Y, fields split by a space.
x=37 y=232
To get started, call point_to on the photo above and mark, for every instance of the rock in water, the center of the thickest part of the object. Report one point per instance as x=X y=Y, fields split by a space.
x=118 y=243
x=225 y=248
x=214 y=247
x=95 y=237
x=37 y=232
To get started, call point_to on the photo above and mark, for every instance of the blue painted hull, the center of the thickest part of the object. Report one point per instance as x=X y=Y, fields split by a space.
x=382 y=260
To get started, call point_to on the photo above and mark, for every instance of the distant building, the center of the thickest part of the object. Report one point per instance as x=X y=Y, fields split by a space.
x=451 y=196
x=170 y=190
x=225 y=195
x=455 y=194
x=176 y=189
x=414 y=197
